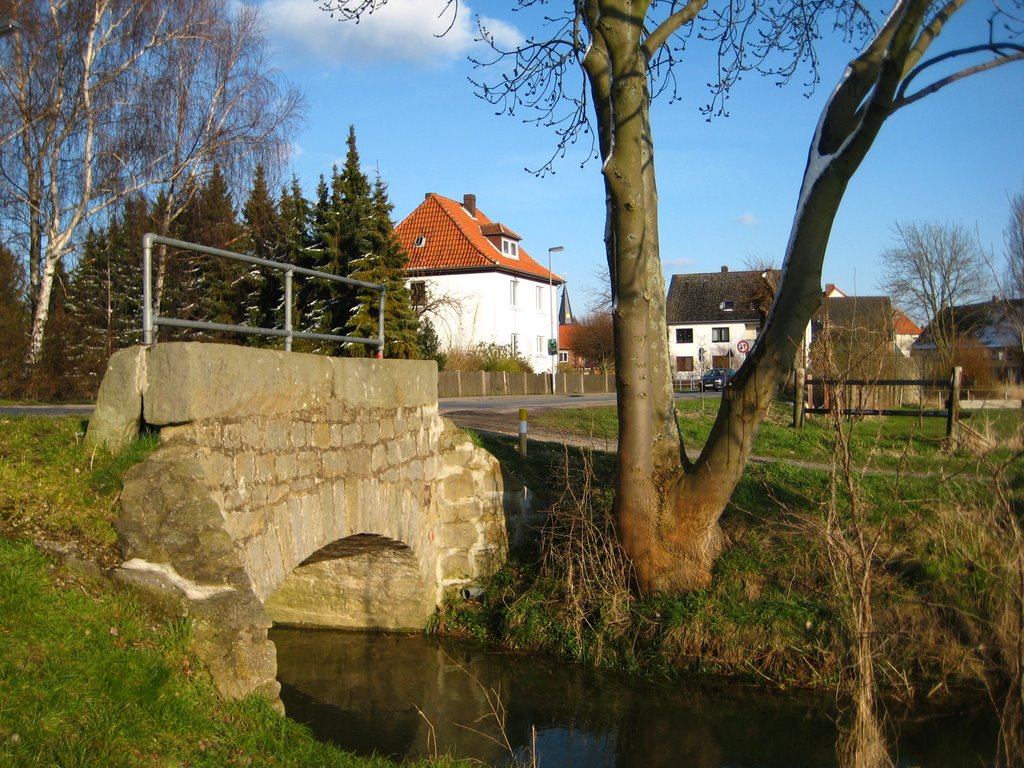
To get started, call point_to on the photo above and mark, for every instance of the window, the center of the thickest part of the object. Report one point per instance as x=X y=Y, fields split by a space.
x=727 y=306
x=684 y=335
x=719 y=334
x=515 y=344
x=539 y=348
x=418 y=293
x=420 y=241
x=721 y=361
x=540 y=297
x=563 y=357
x=684 y=364
x=510 y=248
x=514 y=293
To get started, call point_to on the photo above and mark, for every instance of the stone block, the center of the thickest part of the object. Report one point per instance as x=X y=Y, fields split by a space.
x=114 y=423
x=188 y=381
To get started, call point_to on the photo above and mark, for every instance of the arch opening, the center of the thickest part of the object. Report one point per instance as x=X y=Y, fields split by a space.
x=363 y=581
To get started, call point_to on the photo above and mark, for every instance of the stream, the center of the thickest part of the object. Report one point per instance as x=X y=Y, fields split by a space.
x=409 y=696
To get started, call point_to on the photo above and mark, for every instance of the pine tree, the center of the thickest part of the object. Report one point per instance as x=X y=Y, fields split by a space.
x=14 y=324
x=104 y=298
x=314 y=295
x=215 y=283
x=384 y=263
x=341 y=221
x=262 y=288
x=295 y=216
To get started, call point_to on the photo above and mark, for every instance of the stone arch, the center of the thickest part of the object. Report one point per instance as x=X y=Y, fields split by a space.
x=275 y=468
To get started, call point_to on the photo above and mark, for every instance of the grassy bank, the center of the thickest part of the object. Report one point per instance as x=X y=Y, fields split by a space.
x=87 y=676
x=772 y=613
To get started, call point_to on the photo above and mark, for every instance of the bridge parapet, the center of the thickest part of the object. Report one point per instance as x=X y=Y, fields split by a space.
x=310 y=490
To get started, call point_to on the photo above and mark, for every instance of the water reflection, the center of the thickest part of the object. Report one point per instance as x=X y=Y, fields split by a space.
x=410 y=696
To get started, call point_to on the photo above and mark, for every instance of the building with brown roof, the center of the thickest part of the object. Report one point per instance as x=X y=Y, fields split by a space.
x=473 y=279
x=714 y=317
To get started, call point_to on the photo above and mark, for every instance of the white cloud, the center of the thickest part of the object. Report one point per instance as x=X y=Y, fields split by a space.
x=401 y=30
x=747 y=219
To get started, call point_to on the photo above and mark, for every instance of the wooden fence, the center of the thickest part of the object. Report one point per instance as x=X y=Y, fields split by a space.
x=495 y=383
x=854 y=397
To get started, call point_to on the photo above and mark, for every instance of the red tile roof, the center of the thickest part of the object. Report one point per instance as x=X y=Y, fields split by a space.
x=453 y=240
x=903 y=325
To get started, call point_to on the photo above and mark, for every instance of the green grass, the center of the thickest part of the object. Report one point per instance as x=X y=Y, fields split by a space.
x=893 y=443
x=770 y=612
x=88 y=677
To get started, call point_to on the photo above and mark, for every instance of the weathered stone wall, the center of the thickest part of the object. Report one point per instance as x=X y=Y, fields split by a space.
x=311 y=490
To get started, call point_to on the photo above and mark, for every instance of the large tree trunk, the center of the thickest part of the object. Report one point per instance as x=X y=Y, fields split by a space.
x=668 y=508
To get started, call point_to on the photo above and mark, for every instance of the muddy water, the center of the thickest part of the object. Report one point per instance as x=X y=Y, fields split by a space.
x=410 y=696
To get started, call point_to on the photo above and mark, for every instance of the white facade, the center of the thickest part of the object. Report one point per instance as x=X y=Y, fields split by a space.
x=695 y=348
x=477 y=307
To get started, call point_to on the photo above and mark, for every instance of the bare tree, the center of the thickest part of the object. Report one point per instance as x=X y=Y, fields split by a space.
x=931 y=269
x=593 y=339
x=667 y=505
x=90 y=118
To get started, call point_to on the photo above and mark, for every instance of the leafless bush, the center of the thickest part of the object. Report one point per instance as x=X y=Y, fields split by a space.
x=854 y=541
x=988 y=541
x=580 y=550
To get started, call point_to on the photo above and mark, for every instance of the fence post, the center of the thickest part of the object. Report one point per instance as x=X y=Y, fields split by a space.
x=523 y=425
x=953 y=408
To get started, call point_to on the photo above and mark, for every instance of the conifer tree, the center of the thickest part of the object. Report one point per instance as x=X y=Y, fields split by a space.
x=384 y=263
x=105 y=295
x=215 y=284
x=262 y=288
x=295 y=216
x=322 y=255
x=14 y=323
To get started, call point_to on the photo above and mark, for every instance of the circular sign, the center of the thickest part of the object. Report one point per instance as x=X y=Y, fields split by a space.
x=743 y=346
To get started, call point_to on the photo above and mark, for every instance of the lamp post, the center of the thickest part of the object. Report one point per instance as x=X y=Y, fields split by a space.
x=553 y=344
x=9 y=25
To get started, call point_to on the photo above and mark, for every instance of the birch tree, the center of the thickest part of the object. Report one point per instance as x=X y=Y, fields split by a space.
x=90 y=122
x=668 y=504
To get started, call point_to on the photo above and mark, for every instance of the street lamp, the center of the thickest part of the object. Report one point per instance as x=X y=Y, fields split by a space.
x=9 y=25
x=553 y=344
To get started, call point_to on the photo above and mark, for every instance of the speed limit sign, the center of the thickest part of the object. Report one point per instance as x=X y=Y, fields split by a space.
x=743 y=346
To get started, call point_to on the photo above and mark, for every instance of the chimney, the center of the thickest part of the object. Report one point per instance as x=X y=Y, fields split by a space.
x=725 y=268
x=469 y=203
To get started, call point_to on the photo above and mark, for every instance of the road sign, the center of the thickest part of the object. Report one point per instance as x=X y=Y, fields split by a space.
x=743 y=346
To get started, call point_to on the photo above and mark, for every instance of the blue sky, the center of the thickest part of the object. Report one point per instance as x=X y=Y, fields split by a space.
x=728 y=187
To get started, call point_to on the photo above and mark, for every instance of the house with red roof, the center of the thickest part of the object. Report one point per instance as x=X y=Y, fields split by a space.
x=471 y=276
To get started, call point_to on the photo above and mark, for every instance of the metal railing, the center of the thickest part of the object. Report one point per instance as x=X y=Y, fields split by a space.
x=151 y=318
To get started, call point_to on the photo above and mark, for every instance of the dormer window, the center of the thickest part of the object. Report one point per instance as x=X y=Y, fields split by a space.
x=727 y=306
x=510 y=248
x=420 y=241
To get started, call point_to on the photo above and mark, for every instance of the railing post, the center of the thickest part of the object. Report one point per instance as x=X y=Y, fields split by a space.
x=288 y=274
x=147 y=289
x=380 y=325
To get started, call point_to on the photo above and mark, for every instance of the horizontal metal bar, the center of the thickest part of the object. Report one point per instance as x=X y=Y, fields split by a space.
x=331 y=337
x=203 y=325
x=244 y=257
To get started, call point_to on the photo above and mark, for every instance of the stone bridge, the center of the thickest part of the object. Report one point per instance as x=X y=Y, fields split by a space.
x=299 y=489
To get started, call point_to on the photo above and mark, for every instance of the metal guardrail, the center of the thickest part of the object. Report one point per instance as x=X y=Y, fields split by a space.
x=151 y=318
